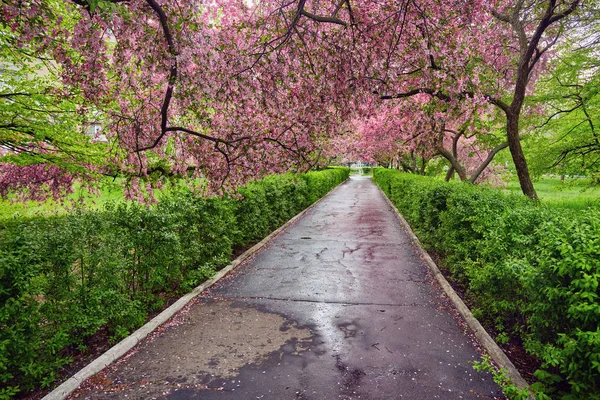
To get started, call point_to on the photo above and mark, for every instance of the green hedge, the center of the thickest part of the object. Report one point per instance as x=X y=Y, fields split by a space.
x=532 y=272
x=64 y=278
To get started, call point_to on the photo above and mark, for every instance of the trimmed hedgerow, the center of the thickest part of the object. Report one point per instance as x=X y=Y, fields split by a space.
x=64 y=278
x=532 y=272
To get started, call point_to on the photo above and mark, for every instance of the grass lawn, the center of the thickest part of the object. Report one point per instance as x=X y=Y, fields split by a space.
x=572 y=193
x=361 y=171
x=109 y=192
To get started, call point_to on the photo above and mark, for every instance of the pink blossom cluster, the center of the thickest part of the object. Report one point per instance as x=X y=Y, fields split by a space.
x=35 y=182
x=230 y=91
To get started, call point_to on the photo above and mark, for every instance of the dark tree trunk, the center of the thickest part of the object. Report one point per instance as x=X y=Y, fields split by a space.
x=450 y=174
x=516 y=151
x=461 y=171
x=529 y=57
x=423 y=166
x=413 y=161
x=454 y=163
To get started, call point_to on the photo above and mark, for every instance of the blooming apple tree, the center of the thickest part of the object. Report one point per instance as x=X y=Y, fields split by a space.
x=232 y=90
x=421 y=130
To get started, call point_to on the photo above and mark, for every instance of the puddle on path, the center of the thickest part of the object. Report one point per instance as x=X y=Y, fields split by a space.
x=218 y=338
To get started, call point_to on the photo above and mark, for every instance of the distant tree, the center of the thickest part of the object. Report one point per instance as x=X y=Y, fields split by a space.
x=464 y=137
x=42 y=126
x=568 y=140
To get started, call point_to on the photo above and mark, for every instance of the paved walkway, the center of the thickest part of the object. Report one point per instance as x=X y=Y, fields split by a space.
x=339 y=306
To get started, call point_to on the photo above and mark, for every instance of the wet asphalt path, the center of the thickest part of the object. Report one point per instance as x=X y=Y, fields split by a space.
x=339 y=306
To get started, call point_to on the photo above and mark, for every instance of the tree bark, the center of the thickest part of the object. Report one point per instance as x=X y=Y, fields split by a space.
x=487 y=161
x=449 y=174
x=516 y=151
x=455 y=164
x=530 y=55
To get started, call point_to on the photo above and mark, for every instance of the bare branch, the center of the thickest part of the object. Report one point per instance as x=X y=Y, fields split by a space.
x=572 y=6
x=501 y=17
x=444 y=97
x=9 y=95
x=414 y=92
x=487 y=161
x=321 y=18
x=555 y=114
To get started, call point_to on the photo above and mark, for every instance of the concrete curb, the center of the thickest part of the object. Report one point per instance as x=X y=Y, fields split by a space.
x=121 y=348
x=482 y=336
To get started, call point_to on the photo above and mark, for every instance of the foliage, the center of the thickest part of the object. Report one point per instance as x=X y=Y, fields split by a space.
x=566 y=141
x=575 y=194
x=466 y=136
x=42 y=125
x=208 y=88
x=157 y=77
x=63 y=278
x=532 y=271
x=502 y=380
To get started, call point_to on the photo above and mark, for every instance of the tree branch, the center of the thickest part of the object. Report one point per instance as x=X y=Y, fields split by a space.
x=414 y=92
x=320 y=18
x=574 y=4
x=8 y=95
x=501 y=17
x=487 y=161
x=436 y=93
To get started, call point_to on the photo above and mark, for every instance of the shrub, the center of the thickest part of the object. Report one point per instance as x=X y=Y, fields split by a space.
x=63 y=278
x=532 y=272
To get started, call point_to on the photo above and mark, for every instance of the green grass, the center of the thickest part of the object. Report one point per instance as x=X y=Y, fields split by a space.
x=368 y=171
x=574 y=194
x=109 y=192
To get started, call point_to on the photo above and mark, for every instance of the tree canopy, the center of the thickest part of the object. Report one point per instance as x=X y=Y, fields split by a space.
x=232 y=90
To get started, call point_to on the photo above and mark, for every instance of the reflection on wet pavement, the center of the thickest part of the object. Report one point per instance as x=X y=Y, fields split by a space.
x=338 y=306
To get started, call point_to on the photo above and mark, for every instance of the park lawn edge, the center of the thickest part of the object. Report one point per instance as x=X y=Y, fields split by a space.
x=120 y=349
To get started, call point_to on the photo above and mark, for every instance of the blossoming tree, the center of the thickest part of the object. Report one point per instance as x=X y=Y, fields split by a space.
x=231 y=90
